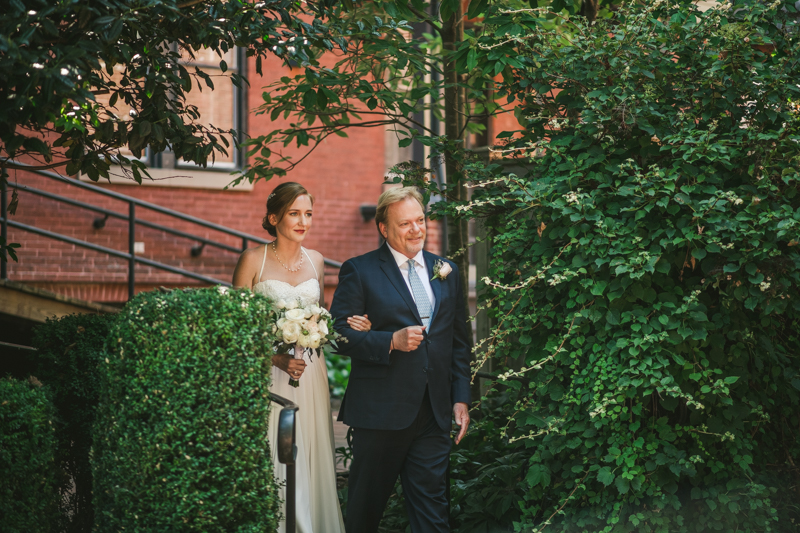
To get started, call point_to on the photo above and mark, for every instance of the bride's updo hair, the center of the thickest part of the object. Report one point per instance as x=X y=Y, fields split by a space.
x=280 y=200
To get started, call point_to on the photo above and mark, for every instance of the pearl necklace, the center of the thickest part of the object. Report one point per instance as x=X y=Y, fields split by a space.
x=299 y=266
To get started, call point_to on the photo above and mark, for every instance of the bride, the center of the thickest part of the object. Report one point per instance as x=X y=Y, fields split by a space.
x=284 y=270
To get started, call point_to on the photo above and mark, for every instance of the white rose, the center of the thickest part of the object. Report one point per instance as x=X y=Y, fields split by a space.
x=295 y=315
x=281 y=321
x=314 y=340
x=307 y=312
x=309 y=341
x=274 y=328
x=291 y=305
x=291 y=332
x=302 y=340
x=280 y=304
x=323 y=327
x=445 y=270
x=312 y=326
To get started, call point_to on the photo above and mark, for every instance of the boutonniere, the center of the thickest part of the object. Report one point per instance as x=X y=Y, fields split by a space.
x=441 y=270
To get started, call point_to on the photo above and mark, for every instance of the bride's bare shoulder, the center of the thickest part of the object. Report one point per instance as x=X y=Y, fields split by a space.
x=249 y=265
x=317 y=258
x=252 y=256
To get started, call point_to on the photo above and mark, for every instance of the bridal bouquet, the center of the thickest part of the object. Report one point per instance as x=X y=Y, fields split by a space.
x=303 y=328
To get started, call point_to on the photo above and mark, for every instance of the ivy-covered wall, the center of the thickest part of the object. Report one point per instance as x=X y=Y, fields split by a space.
x=645 y=272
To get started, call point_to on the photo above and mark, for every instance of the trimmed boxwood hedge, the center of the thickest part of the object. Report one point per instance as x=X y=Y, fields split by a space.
x=181 y=431
x=70 y=350
x=28 y=494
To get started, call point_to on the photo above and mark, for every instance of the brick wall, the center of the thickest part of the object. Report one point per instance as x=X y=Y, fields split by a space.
x=342 y=174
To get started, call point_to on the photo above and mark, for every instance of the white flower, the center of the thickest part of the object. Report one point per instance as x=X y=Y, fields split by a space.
x=281 y=321
x=222 y=290
x=280 y=304
x=302 y=341
x=312 y=326
x=291 y=305
x=295 y=315
x=441 y=269
x=314 y=340
x=323 y=327
x=307 y=312
x=291 y=332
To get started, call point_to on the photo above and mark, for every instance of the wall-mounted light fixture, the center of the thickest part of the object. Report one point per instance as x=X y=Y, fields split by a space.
x=100 y=222
x=368 y=212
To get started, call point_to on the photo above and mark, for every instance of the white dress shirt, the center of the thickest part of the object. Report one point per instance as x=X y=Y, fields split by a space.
x=422 y=272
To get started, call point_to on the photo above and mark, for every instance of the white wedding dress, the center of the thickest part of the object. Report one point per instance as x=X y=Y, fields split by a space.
x=317 y=501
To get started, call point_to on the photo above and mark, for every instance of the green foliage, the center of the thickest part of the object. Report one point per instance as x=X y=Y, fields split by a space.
x=338 y=373
x=486 y=471
x=70 y=351
x=181 y=432
x=388 y=70
x=645 y=270
x=28 y=494
x=56 y=57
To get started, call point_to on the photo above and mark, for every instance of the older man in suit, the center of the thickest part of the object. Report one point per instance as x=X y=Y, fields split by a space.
x=410 y=372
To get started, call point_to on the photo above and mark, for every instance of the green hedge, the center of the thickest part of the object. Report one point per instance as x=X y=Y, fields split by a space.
x=28 y=493
x=181 y=433
x=70 y=350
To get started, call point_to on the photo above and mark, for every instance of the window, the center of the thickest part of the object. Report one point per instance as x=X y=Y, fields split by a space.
x=224 y=108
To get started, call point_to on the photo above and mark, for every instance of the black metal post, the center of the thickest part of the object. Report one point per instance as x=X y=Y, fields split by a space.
x=291 y=503
x=244 y=243
x=287 y=454
x=131 y=246
x=4 y=230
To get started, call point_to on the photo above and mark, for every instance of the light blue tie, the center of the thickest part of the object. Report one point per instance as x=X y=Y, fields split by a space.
x=420 y=296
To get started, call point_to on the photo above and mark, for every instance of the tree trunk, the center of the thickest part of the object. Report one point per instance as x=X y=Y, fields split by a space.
x=453 y=33
x=454 y=118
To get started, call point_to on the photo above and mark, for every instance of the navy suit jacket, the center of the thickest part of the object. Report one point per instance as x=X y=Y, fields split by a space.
x=386 y=389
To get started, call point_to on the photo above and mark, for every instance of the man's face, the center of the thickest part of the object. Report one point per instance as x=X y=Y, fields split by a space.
x=404 y=229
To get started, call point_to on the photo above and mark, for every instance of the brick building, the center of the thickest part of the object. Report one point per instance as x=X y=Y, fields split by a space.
x=342 y=173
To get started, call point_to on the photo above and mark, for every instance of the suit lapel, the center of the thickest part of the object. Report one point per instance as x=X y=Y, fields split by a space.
x=392 y=271
x=436 y=285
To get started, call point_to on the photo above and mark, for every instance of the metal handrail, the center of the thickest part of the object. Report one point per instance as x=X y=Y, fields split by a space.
x=116 y=253
x=155 y=207
x=132 y=222
x=114 y=214
x=141 y=203
x=287 y=454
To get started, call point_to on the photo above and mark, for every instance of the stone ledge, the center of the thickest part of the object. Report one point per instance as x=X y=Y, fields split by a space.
x=31 y=303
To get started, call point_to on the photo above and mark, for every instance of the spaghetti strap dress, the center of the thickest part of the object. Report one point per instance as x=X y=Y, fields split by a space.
x=317 y=500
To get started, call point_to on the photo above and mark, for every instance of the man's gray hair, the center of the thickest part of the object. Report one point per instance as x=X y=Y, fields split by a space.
x=392 y=196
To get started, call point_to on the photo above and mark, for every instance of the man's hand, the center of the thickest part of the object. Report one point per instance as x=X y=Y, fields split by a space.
x=461 y=414
x=408 y=339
